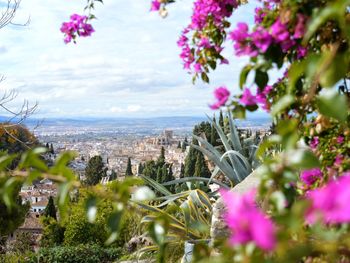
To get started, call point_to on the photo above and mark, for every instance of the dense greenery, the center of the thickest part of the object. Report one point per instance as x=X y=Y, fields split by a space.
x=95 y=170
x=159 y=170
x=83 y=253
x=11 y=218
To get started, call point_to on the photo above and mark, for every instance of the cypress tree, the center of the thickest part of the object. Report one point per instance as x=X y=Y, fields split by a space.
x=113 y=176
x=47 y=146
x=170 y=178
x=182 y=170
x=190 y=162
x=150 y=170
x=95 y=170
x=159 y=178
x=214 y=136
x=164 y=173
x=128 y=171
x=161 y=158
x=50 y=209
x=201 y=168
x=179 y=145
x=184 y=145
x=221 y=120
x=51 y=149
x=140 y=168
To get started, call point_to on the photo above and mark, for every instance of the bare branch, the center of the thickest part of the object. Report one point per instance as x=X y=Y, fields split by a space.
x=9 y=12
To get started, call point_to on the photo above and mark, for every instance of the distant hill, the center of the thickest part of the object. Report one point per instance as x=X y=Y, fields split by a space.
x=130 y=125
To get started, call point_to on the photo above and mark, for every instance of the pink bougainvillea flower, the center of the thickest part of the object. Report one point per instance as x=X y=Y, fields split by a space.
x=299 y=30
x=338 y=160
x=221 y=94
x=331 y=202
x=155 y=5
x=279 y=31
x=77 y=26
x=247 y=98
x=261 y=97
x=197 y=68
x=259 y=15
x=314 y=143
x=261 y=39
x=241 y=44
x=309 y=177
x=247 y=222
x=340 y=139
x=301 y=52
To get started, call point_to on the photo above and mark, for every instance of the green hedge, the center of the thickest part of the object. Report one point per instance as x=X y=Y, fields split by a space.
x=78 y=254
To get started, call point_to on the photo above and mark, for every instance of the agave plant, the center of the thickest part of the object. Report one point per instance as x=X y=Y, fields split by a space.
x=239 y=159
x=190 y=216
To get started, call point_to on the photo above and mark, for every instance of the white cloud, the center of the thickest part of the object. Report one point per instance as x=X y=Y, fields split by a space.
x=129 y=66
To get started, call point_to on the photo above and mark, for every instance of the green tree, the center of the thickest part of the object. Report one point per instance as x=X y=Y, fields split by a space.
x=95 y=170
x=161 y=158
x=150 y=170
x=221 y=120
x=11 y=219
x=113 y=175
x=182 y=170
x=24 y=243
x=214 y=136
x=179 y=145
x=128 y=171
x=52 y=151
x=53 y=233
x=140 y=168
x=201 y=167
x=170 y=177
x=50 y=209
x=184 y=145
x=190 y=162
x=164 y=172
x=159 y=175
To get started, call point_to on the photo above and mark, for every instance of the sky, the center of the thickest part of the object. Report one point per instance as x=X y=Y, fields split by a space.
x=130 y=67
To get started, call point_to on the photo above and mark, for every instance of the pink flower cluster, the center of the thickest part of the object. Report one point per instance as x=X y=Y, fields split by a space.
x=247 y=222
x=248 y=99
x=205 y=13
x=261 y=39
x=76 y=26
x=218 y=10
x=221 y=94
x=309 y=177
x=155 y=5
x=331 y=203
x=314 y=142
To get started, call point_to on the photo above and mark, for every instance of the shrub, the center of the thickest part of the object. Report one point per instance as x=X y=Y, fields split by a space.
x=78 y=254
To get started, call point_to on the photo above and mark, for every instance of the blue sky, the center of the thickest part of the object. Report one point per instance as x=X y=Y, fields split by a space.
x=128 y=68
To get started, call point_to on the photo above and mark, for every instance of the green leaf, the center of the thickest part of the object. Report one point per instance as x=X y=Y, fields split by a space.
x=244 y=75
x=205 y=77
x=91 y=208
x=295 y=72
x=336 y=70
x=282 y=104
x=143 y=193
x=303 y=159
x=333 y=104
x=239 y=112
x=320 y=17
x=261 y=79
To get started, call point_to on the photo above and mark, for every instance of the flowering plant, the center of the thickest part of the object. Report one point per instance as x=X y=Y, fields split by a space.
x=304 y=190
